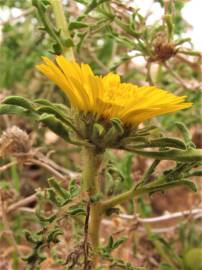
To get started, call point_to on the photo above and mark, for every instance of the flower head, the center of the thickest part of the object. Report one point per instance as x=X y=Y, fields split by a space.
x=106 y=96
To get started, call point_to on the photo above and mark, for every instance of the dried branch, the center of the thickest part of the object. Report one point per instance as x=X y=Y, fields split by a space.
x=6 y=224
x=23 y=202
x=166 y=217
x=6 y=166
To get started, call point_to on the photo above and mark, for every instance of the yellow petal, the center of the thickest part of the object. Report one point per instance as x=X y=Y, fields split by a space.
x=106 y=96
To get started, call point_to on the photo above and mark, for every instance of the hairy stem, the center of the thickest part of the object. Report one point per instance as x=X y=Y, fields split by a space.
x=92 y=161
x=139 y=189
x=61 y=24
x=117 y=199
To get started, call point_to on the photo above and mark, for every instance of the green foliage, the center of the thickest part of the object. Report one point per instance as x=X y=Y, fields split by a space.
x=63 y=200
x=106 y=254
x=190 y=253
x=16 y=59
x=112 y=245
x=118 y=175
x=165 y=266
x=109 y=37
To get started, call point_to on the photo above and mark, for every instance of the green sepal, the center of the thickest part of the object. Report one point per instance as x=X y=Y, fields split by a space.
x=116 y=131
x=110 y=135
x=118 y=125
x=97 y=132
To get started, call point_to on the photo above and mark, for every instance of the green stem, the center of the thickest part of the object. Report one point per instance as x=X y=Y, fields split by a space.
x=149 y=171
x=138 y=189
x=92 y=161
x=61 y=24
x=90 y=171
x=94 y=225
x=118 y=199
x=46 y=21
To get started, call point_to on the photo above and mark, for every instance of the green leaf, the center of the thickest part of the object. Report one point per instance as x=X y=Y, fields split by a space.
x=111 y=245
x=161 y=142
x=106 y=52
x=165 y=266
x=163 y=186
x=19 y=101
x=12 y=109
x=58 y=110
x=185 y=133
x=44 y=219
x=195 y=173
x=68 y=43
x=189 y=155
x=73 y=188
x=76 y=211
x=54 y=198
x=55 y=125
x=53 y=235
x=77 y=25
x=33 y=238
x=56 y=48
x=118 y=242
x=50 y=110
x=110 y=242
x=43 y=102
x=59 y=189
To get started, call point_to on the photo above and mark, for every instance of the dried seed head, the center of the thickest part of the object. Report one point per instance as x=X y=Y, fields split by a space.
x=162 y=49
x=8 y=195
x=14 y=141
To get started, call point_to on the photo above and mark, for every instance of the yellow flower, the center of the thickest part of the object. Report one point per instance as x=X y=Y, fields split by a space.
x=106 y=96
